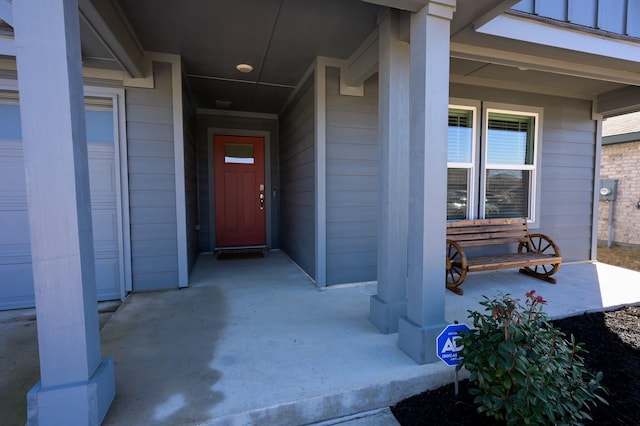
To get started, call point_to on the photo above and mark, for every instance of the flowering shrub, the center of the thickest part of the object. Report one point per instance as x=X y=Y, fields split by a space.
x=522 y=369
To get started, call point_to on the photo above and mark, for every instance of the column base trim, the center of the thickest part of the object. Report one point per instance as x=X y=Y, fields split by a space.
x=74 y=403
x=384 y=315
x=419 y=343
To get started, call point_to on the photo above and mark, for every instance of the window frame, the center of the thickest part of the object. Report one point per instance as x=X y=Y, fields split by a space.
x=477 y=187
x=472 y=175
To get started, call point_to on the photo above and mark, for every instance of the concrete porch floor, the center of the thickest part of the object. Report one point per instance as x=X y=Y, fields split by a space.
x=252 y=341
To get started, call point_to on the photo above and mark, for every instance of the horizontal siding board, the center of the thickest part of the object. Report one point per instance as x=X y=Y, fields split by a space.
x=150 y=114
x=352 y=168
x=153 y=232
x=351 y=214
x=150 y=181
x=560 y=221
x=348 y=104
x=564 y=147
x=150 y=131
x=155 y=280
x=148 y=97
x=567 y=172
x=350 y=229
x=150 y=148
x=337 y=151
x=152 y=248
x=357 y=136
x=154 y=264
x=153 y=215
x=568 y=197
x=352 y=199
x=550 y=184
x=353 y=274
x=554 y=135
x=364 y=258
x=554 y=160
x=153 y=165
x=354 y=183
x=153 y=199
x=351 y=245
x=355 y=120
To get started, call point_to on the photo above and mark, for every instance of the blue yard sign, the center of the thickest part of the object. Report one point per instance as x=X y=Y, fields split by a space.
x=447 y=346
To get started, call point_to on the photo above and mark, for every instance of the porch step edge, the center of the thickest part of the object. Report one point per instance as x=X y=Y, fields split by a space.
x=335 y=406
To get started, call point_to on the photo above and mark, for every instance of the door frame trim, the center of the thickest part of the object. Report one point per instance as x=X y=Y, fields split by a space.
x=211 y=132
x=117 y=96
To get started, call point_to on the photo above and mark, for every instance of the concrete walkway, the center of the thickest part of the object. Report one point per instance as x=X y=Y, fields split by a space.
x=253 y=342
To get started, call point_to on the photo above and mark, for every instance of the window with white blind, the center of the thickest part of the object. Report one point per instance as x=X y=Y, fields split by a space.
x=503 y=176
x=460 y=161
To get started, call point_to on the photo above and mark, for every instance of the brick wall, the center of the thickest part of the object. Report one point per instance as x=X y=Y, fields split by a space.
x=622 y=162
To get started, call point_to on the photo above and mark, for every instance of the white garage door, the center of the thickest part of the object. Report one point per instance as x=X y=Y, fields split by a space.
x=16 y=277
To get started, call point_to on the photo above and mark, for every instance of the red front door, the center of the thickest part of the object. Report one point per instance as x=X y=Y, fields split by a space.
x=240 y=193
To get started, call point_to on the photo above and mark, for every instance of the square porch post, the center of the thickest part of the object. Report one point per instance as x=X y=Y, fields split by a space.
x=77 y=385
x=390 y=302
x=430 y=32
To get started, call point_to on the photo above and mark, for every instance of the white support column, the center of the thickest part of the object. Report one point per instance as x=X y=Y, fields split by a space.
x=430 y=30
x=77 y=385
x=390 y=303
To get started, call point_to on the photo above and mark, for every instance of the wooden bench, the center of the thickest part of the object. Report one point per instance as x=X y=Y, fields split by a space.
x=537 y=255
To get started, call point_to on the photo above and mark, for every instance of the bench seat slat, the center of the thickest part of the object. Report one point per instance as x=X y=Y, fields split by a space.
x=493 y=241
x=511 y=260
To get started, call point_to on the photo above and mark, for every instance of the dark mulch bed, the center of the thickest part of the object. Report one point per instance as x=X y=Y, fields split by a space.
x=612 y=340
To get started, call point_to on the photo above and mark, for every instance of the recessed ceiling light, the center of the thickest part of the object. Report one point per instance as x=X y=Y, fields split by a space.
x=244 y=68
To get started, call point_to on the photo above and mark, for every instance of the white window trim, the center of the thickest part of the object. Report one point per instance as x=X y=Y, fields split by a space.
x=534 y=193
x=472 y=178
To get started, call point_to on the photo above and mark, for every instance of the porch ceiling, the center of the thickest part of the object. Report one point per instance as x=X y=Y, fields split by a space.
x=281 y=38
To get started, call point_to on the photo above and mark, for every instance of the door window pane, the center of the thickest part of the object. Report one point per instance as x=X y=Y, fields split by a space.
x=238 y=153
x=507 y=193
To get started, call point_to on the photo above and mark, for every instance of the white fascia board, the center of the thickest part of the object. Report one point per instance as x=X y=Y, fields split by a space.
x=520 y=28
x=518 y=86
x=523 y=60
x=410 y=5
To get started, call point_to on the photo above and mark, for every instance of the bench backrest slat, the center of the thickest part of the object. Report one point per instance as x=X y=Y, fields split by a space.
x=481 y=232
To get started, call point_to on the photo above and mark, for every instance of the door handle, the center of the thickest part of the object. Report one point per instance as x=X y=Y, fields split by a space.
x=261 y=196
